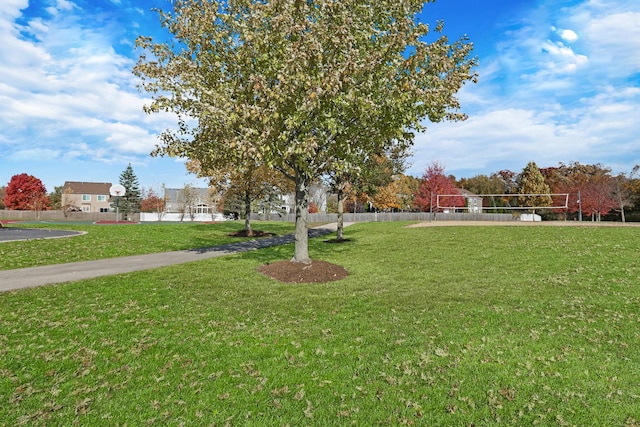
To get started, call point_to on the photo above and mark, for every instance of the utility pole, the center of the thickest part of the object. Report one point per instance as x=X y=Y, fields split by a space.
x=579 y=207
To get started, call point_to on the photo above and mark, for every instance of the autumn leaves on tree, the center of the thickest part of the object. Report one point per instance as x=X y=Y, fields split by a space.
x=592 y=189
x=437 y=190
x=26 y=192
x=532 y=189
x=302 y=87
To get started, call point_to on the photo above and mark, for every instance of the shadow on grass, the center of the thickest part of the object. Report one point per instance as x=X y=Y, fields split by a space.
x=265 y=242
x=280 y=248
x=232 y=232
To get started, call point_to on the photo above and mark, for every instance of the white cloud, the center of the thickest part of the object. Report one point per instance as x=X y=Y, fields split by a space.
x=562 y=59
x=604 y=126
x=10 y=9
x=68 y=84
x=558 y=87
x=36 y=154
x=65 y=5
x=61 y=6
x=495 y=139
x=615 y=39
x=549 y=95
x=568 y=35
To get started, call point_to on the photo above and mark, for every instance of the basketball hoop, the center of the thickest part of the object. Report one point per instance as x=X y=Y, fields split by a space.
x=117 y=191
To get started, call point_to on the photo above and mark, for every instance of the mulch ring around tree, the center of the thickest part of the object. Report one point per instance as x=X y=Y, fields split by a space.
x=337 y=241
x=251 y=233
x=299 y=272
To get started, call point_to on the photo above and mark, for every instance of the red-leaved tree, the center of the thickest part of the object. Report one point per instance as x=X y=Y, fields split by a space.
x=152 y=202
x=434 y=182
x=26 y=192
x=591 y=188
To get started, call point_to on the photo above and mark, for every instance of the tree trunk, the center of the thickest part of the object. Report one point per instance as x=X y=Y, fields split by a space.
x=340 y=227
x=301 y=251
x=247 y=212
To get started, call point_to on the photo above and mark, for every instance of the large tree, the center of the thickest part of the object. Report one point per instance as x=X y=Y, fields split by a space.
x=592 y=189
x=533 y=191
x=632 y=187
x=492 y=187
x=300 y=85
x=483 y=184
x=624 y=186
x=130 y=203
x=437 y=190
x=55 y=198
x=26 y=192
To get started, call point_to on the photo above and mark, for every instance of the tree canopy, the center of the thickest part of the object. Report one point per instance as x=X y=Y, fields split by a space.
x=591 y=188
x=26 y=192
x=301 y=86
x=532 y=188
x=130 y=203
x=435 y=183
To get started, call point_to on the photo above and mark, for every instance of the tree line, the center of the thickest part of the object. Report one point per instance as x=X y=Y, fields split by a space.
x=27 y=192
x=593 y=190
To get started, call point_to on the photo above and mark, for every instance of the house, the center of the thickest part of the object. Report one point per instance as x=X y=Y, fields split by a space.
x=474 y=202
x=318 y=195
x=190 y=200
x=186 y=204
x=86 y=196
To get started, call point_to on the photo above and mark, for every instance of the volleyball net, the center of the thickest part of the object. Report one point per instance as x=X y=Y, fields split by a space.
x=504 y=202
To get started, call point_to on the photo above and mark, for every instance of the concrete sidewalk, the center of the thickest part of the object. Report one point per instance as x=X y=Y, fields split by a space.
x=49 y=274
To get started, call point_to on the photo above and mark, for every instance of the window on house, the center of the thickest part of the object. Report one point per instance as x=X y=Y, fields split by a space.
x=86 y=209
x=203 y=209
x=86 y=197
x=102 y=198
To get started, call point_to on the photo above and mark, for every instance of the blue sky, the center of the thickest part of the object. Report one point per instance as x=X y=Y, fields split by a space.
x=559 y=82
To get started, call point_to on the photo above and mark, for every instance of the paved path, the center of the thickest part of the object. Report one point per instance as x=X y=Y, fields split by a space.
x=59 y=273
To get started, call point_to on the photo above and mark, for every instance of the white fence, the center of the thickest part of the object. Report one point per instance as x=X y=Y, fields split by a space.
x=175 y=217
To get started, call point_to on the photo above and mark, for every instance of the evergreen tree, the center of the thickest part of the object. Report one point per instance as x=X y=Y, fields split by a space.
x=55 y=198
x=130 y=203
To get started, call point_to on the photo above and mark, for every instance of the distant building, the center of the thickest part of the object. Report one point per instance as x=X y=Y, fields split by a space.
x=86 y=196
x=194 y=200
x=473 y=201
x=318 y=195
x=187 y=204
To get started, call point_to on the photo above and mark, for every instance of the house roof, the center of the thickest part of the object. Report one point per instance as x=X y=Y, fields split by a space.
x=467 y=193
x=75 y=187
x=175 y=194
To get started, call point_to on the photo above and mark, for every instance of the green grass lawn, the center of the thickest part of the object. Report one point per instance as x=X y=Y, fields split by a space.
x=108 y=241
x=446 y=326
